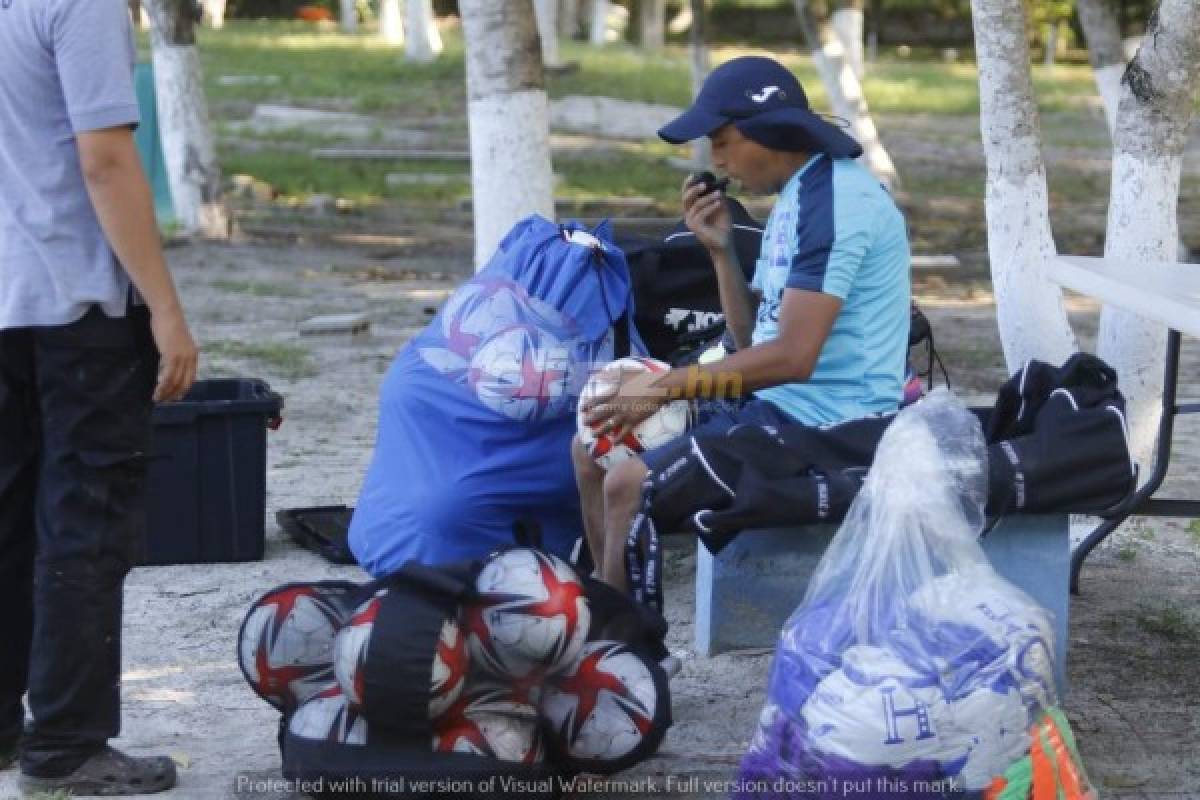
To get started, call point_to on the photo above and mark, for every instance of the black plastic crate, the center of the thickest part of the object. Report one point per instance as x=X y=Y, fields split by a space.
x=207 y=483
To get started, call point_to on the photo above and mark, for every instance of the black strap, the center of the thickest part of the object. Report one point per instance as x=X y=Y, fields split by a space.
x=527 y=532
x=621 y=335
x=643 y=570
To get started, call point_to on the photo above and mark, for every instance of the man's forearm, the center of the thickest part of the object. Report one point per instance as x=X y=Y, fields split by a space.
x=767 y=364
x=737 y=300
x=124 y=205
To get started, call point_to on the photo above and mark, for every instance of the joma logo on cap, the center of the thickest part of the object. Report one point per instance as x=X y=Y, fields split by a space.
x=764 y=94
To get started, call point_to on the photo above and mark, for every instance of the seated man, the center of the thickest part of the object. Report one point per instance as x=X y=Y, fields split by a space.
x=829 y=338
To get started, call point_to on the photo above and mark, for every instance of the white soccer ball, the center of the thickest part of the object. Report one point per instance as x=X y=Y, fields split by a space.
x=667 y=423
x=451 y=663
x=350 y=649
x=488 y=720
x=329 y=717
x=603 y=706
x=530 y=616
x=285 y=645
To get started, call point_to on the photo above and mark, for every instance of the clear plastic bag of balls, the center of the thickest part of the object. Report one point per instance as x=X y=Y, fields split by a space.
x=911 y=668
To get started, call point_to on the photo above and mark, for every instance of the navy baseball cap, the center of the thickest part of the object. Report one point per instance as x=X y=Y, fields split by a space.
x=764 y=101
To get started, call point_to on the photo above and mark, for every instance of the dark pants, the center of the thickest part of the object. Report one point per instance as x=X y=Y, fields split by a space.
x=74 y=433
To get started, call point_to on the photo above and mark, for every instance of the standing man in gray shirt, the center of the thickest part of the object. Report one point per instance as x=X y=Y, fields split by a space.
x=91 y=329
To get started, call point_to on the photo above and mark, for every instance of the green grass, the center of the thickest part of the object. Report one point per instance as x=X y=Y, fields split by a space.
x=1171 y=623
x=287 y=360
x=327 y=69
x=256 y=289
x=1193 y=530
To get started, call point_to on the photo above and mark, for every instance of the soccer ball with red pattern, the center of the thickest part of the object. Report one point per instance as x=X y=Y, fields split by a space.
x=530 y=615
x=329 y=716
x=489 y=720
x=285 y=645
x=451 y=663
x=603 y=708
x=666 y=424
x=350 y=648
x=447 y=674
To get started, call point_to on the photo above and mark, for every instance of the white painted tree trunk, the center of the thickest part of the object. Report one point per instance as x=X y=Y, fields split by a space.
x=391 y=22
x=349 y=16
x=422 y=42
x=547 y=27
x=187 y=138
x=598 y=30
x=508 y=119
x=653 y=24
x=1155 y=110
x=214 y=14
x=1029 y=308
x=1098 y=18
x=845 y=92
x=848 y=25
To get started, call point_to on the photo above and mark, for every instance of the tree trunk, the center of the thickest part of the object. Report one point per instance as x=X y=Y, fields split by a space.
x=187 y=139
x=1098 y=18
x=1157 y=93
x=568 y=19
x=214 y=14
x=1051 y=48
x=1029 y=308
x=422 y=42
x=391 y=22
x=698 y=49
x=547 y=26
x=848 y=25
x=508 y=119
x=349 y=16
x=845 y=92
x=654 y=24
x=599 y=27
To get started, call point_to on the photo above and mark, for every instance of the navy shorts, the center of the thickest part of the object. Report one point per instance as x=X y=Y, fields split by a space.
x=715 y=417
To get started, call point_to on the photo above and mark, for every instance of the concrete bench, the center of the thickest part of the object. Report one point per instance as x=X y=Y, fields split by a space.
x=745 y=593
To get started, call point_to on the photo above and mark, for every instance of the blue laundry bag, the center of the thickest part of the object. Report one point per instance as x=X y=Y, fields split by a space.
x=476 y=413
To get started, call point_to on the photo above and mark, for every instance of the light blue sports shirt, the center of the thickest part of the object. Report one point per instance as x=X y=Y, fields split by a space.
x=836 y=230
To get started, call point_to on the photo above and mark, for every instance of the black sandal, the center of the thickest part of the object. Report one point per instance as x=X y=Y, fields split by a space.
x=109 y=773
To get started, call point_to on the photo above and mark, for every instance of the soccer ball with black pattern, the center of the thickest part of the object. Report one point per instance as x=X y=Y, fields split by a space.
x=285 y=645
x=328 y=716
x=530 y=615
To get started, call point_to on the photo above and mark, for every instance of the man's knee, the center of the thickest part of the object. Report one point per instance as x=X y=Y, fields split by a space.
x=623 y=483
x=586 y=467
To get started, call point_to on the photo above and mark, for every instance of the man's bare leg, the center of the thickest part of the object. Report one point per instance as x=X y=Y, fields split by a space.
x=589 y=477
x=622 y=495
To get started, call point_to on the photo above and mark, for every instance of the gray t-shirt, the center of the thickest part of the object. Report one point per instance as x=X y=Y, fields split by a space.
x=66 y=67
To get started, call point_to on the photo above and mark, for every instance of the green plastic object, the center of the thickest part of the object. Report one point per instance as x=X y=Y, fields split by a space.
x=149 y=145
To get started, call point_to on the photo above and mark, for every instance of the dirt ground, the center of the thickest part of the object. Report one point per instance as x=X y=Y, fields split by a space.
x=1135 y=628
